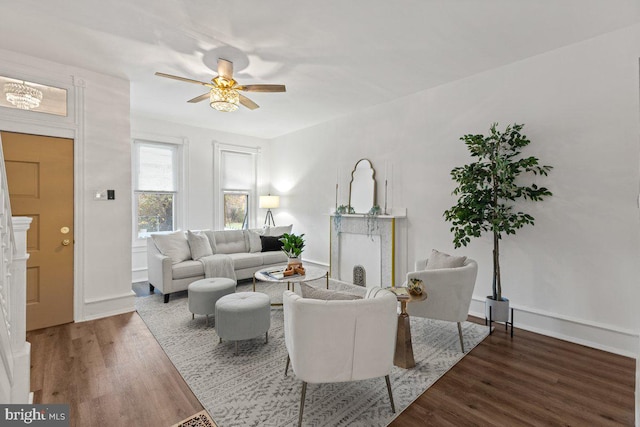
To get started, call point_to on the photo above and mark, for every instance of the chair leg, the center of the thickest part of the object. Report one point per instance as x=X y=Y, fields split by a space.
x=286 y=368
x=393 y=405
x=166 y=298
x=460 y=335
x=151 y=288
x=266 y=337
x=304 y=392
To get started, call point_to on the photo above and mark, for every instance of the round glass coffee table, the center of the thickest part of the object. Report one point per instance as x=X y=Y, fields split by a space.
x=270 y=274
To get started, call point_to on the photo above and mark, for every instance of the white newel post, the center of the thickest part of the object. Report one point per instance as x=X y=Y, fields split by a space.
x=18 y=297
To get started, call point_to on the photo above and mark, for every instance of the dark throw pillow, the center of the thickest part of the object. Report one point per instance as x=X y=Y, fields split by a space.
x=271 y=243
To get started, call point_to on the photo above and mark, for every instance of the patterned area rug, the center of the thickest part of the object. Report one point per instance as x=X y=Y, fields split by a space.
x=251 y=390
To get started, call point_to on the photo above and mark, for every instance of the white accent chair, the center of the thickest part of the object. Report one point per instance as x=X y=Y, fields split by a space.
x=338 y=341
x=449 y=292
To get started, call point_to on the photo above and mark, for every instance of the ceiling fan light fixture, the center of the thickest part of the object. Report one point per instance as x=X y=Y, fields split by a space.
x=224 y=99
x=22 y=96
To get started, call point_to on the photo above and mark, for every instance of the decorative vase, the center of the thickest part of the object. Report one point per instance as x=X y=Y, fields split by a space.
x=295 y=262
x=499 y=309
x=415 y=287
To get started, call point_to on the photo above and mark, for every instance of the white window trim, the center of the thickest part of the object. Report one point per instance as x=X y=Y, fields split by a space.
x=182 y=184
x=218 y=204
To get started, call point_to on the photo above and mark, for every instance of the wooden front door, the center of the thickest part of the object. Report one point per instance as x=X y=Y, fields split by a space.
x=40 y=179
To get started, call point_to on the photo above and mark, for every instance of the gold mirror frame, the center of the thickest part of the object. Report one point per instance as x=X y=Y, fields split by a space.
x=362 y=188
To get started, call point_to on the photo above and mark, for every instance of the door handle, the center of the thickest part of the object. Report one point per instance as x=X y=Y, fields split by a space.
x=66 y=242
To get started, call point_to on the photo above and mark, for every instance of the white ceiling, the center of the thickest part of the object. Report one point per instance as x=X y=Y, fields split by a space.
x=335 y=56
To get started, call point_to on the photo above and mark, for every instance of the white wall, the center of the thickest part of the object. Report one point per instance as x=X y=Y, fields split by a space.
x=198 y=163
x=99 y=124
x=575 y=274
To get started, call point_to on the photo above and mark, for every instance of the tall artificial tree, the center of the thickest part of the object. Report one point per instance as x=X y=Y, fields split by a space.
x=489 y=188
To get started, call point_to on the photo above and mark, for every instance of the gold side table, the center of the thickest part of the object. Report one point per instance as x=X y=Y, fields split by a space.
x=403 y=357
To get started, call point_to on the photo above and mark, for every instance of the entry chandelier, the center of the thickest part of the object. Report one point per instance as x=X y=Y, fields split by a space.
x=224 y=99
x=22 y=96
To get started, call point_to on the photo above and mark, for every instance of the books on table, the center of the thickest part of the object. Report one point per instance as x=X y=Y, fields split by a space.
x=278 y=274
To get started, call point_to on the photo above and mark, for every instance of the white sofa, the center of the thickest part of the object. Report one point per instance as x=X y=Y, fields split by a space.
x=172 y=267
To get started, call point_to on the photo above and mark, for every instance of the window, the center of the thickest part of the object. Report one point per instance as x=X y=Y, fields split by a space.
x=237 y=186
x=155 y=187
x=236 y=210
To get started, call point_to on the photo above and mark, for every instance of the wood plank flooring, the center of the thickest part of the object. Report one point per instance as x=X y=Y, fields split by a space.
x=113 y=373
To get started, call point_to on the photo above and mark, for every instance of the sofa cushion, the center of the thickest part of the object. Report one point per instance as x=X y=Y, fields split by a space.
x=212 y=240
x=230 y=241
x=174 y=245
x=187 y=269
x=439 y=260
x=278 y=231
x=271 y=243
x=309 y=291
x=253 y=241
x=274 y=257
x=199 y=244
x=243 y=260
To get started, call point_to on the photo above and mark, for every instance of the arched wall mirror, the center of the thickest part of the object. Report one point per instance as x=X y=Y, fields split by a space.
x=362 y=189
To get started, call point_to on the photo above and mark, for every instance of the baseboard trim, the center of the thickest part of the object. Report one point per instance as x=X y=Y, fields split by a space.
x=591 y=334
x=110 y=306
x=315 y=263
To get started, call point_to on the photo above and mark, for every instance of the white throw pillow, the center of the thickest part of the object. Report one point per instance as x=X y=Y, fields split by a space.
x=439 y=260
x=278 y=231
x=199 y=244
x=253 y=239
x=174 y=245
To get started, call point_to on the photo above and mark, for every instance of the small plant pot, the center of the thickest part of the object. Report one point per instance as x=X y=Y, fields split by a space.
x=294 y=262
x=499 y=309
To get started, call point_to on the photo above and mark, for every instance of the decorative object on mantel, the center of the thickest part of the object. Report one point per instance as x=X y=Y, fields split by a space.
x=269 y=202
x=372 y=220
x=22 y=96
x=337 y=215
x=293 y=246
x=362 y=188
x=488 y=189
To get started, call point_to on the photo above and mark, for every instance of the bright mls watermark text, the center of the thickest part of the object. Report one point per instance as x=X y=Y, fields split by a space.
x=56 y=415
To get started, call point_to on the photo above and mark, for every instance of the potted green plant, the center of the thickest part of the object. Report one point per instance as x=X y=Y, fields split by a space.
x=488 y=190
x=293 y=246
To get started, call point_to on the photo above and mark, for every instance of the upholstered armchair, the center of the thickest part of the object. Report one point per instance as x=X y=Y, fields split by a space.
x=449 y=292
x=338 y=341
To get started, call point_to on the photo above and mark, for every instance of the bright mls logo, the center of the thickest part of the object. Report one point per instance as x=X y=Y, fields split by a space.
x=35 y=415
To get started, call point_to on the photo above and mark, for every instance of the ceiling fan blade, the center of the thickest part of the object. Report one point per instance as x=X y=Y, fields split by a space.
x=247 y=102
x=182 y=79
x=262 y=88
x=225 y=68
x=200 y=98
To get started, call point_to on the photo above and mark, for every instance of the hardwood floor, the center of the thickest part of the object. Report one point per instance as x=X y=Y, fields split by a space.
x=114 y=373
x=111 y=371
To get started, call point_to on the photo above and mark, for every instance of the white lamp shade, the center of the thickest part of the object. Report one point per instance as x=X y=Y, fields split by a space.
x=269 y=202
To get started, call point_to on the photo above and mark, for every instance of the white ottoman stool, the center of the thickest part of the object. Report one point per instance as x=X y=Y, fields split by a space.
x=242 y=316
x=204 y=293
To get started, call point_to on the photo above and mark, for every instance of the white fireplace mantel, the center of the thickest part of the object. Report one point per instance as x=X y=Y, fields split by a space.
x=377 y=243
